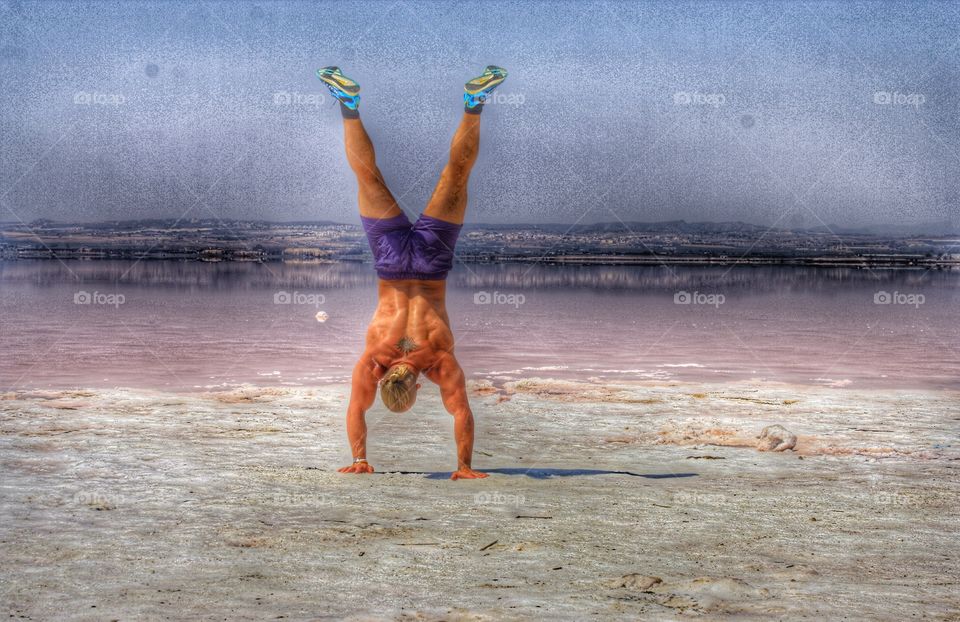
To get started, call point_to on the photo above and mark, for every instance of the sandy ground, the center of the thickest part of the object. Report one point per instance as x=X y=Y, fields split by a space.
x=649 y=501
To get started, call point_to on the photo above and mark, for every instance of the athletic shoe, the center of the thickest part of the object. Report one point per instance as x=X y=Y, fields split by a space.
x=477 y=90
x=343 y=88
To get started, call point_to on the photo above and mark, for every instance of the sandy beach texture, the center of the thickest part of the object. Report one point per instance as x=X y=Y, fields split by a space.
x=606 y=501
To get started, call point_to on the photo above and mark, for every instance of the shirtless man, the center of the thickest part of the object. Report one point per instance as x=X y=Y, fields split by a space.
x=410 y=331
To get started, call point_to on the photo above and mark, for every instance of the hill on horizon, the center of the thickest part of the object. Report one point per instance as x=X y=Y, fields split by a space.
x=938 y=229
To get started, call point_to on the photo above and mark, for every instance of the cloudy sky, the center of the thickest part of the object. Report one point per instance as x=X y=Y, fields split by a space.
x=795 y=113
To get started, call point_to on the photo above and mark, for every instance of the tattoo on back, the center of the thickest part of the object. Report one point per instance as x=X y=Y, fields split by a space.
x=406 y=345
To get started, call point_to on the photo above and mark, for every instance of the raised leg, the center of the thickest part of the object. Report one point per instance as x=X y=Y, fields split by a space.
x=374 y=198
x=449 y=199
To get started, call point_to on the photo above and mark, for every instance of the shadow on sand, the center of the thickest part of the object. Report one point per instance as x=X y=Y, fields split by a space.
x=542 y=473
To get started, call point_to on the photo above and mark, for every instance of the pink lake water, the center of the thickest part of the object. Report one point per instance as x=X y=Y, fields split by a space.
x=189 y=325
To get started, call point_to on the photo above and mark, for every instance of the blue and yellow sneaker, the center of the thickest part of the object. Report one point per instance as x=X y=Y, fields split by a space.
x=343 y=88
x=477 y=91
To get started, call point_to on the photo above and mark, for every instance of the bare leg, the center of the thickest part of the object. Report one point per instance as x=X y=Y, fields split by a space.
x=374 y=198
x=449 y=199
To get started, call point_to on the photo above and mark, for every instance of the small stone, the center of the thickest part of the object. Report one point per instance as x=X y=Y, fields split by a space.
x=776 y=438
x=635 y=581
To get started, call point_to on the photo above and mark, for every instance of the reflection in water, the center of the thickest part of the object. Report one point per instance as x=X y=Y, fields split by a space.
x=184 y=325
x=307 y=275
x=190 y=274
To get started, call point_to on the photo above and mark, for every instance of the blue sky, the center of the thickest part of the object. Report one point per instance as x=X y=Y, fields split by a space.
x=792 y=113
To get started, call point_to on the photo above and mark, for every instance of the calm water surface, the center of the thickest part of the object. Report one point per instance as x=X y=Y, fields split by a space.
x=188 y=325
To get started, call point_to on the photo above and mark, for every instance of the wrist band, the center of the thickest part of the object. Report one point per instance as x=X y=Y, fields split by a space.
x=357 y=460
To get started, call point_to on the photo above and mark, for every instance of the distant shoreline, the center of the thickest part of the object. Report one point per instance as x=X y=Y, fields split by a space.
x=602 y=244
x=219 y=256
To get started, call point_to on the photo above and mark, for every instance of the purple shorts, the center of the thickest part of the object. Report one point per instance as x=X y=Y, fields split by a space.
x=422 y=250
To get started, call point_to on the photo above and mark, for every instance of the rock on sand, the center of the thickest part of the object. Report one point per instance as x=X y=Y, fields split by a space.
x=776 y=438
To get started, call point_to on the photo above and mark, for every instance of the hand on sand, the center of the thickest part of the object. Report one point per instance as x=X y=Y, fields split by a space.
x=357 y=467
x=468 y=473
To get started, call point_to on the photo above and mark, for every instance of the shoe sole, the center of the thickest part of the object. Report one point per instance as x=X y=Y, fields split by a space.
x=474 y=87
x=342 y=83
x=485 y=82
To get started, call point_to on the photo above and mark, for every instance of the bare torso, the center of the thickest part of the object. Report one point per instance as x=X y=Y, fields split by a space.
x=410 y=325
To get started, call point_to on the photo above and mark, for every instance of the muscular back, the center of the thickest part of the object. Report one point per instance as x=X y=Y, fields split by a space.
x=410 y=324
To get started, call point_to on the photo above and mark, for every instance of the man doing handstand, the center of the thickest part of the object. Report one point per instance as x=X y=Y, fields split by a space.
x=410 y=331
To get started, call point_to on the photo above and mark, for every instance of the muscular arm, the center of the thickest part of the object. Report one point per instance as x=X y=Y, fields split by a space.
x=363 y=390
x=453 y=389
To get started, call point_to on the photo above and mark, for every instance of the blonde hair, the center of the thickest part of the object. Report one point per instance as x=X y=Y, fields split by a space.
x=398 y=389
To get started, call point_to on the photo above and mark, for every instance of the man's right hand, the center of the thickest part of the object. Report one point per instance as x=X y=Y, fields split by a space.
x=357 y=467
